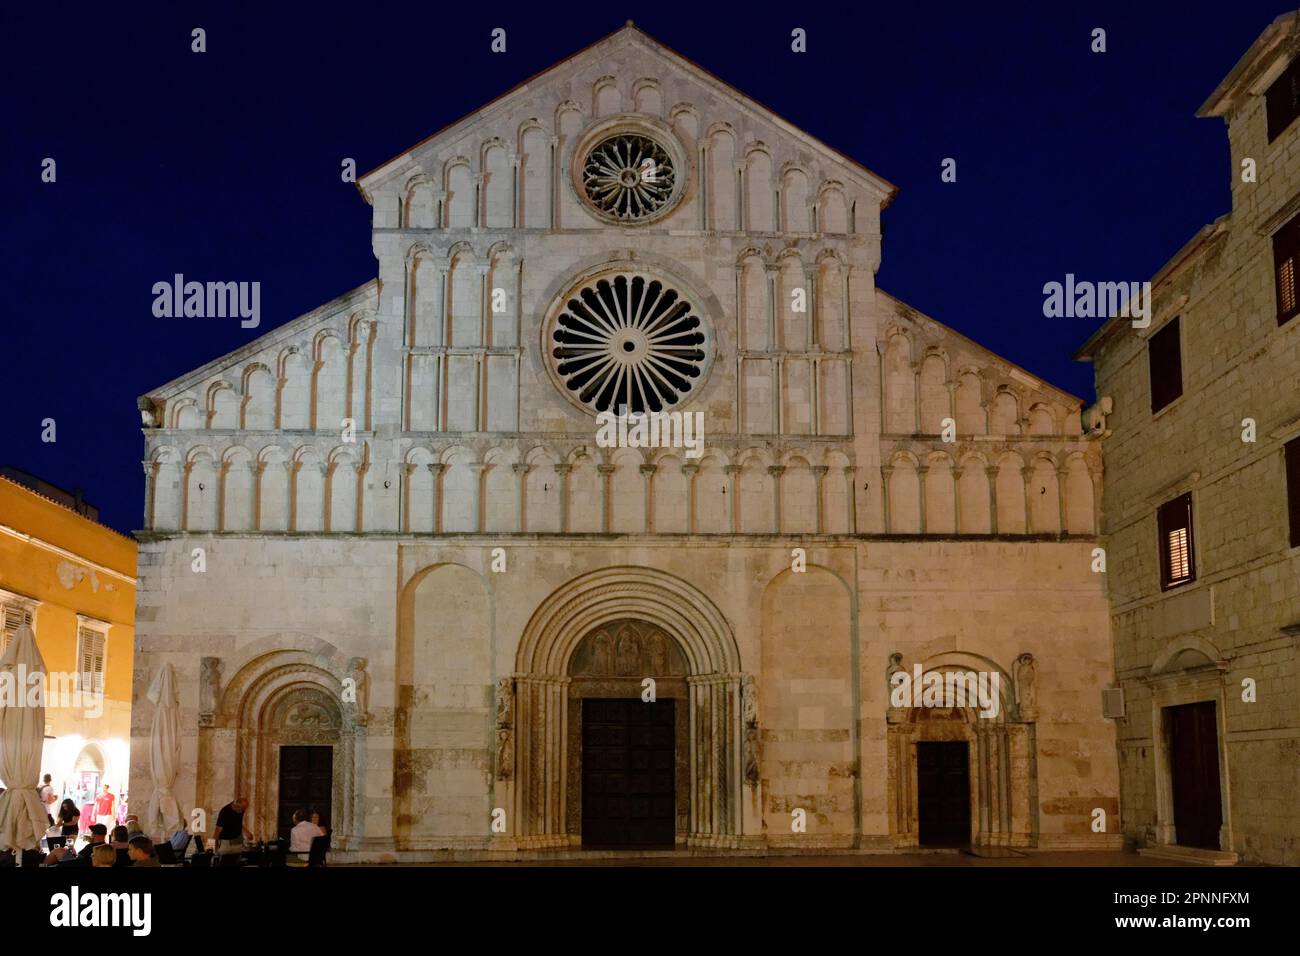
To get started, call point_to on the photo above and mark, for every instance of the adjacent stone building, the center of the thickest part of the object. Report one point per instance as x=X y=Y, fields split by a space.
x=401 y=580
x=1202 y=502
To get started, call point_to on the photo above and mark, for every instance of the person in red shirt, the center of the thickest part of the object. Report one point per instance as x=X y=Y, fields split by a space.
x=104 y=805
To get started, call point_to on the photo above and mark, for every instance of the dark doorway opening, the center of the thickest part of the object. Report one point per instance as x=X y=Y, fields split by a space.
x=306 y=783
x=628 y=773
x=1194 y=767
x=943 y=793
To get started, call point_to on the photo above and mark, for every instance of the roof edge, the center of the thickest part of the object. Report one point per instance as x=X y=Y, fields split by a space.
x=984 y=348
x=1256 y=67
x=290 y=328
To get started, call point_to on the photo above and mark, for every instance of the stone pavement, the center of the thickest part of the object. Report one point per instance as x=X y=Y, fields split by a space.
x=951 y=858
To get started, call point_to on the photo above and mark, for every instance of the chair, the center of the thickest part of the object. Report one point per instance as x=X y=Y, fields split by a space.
x=166 y=855
x=228 y=859
x=202 y=858
x=278 y=853
x=52 y=842
x=319 y=849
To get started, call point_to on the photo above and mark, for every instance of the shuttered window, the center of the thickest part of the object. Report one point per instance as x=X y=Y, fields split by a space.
x=1282 y=101
x=90 y=659
x=1293 y=489
x=1165 y=360
x=1286 y=261
x=13 y=616
x=1177 y=560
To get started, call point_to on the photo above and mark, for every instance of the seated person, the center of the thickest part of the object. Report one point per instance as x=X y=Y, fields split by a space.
x=142 y=852
x=133 y=827
x=300 y=837
x=119 y=838
x=180 y=841
x=98 y=837
x=103 y=855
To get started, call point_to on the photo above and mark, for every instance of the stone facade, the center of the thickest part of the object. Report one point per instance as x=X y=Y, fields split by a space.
x=1237 y=621
x=403 y=491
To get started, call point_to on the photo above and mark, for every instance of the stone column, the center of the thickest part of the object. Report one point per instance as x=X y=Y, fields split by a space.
x=733 y=512
x=922 y=472
x=647 y=486
x=776 y=471
x=885 y=472
x=851 y=484
x=437 y=469
x=1026 y=476
x=819 y=476
x=606 y=472
x=521 y=470
x=1061 y=472
x=562 y=470
x=957 y=472
x=690 y=470
x=992 y=472
x=408 y=469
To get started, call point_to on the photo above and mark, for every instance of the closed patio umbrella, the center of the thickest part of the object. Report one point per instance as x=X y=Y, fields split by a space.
x=163 y=815
x=22 y=735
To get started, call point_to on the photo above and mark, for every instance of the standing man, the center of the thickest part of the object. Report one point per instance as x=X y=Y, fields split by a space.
x=105 y=804
x=231 y=833
x=48 y=798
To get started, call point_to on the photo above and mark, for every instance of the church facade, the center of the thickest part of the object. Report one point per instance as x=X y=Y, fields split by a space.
x=403 y=580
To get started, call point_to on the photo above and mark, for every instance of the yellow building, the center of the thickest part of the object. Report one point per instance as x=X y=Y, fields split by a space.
x=73 y=580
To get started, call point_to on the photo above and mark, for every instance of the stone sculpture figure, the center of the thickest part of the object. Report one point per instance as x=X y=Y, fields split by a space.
x=361 y=681
x=209 y=685
x=1026 y=693
x=505 y=722
x=749 y=717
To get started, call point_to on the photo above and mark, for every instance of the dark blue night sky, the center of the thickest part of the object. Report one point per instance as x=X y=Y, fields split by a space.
x=225 y=165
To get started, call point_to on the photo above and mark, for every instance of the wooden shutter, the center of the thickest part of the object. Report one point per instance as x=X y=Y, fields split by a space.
x=1293 y=489
x=13 y=617
x=1286 y=262
x=1282 y=101
x=1177 y=557
x=1165 y=361
x=91 y=659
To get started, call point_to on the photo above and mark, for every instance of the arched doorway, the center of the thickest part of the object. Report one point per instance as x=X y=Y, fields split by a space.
x=284 y=737
x=944 y=761
x=569 y=653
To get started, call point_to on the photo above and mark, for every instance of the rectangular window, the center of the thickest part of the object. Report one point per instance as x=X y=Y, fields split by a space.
x=12 y=616
x=90 y=658
x=1282 y=101
x=1286 y=258
x=1177 y=560
x=1165 y=359
x=1293 y=489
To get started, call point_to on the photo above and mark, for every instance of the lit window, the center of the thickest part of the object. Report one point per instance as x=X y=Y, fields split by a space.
x=1177 y=560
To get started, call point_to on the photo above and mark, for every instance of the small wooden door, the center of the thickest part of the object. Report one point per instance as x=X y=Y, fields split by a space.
x=306 y=783
x=943 y=793
x=1194 y=767
x=628 y=773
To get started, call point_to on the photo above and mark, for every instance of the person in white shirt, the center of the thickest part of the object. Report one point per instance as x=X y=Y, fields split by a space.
x=300 y=837
x=48 y=797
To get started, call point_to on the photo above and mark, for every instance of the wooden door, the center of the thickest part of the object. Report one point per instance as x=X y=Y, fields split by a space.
x=628 y=773
x=1194 y=767
x=943 y=793
x=306 y=783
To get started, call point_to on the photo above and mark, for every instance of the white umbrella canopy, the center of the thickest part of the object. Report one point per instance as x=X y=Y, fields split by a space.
x=163 y=815
x=22 y=735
